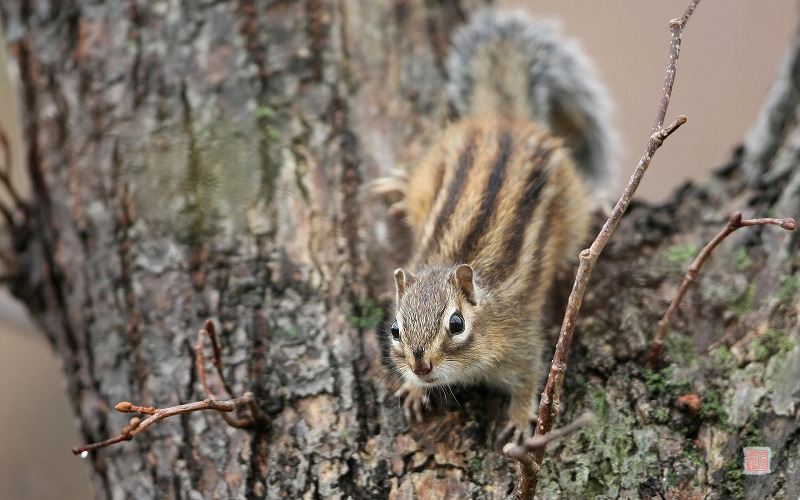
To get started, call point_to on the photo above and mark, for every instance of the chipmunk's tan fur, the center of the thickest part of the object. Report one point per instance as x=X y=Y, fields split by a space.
x=495 y=207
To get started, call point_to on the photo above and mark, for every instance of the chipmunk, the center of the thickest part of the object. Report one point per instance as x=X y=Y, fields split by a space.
x=495 y=207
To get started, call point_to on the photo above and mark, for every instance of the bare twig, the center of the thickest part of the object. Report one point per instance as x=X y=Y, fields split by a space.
x=5 y=180
x=676 y=26
x=136 y=425
x=528 y=477
x=528 y=468
x=551 y=396
x=212 y=335
x=256 y=414
x=734 y=223
x=520 y=452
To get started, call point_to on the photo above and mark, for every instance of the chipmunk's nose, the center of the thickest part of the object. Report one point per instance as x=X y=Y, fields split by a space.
x=422 y=368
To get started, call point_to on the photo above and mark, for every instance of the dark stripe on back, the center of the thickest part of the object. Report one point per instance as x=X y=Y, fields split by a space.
x=535 y=278
x=480 y=225
x=465 y=161
x=526 y=206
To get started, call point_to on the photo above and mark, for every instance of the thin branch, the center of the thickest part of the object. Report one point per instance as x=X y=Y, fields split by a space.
x=676 y=26
x=200 y=360
x=734 y=223
x=137 y=425
x=260 y=418
x=528 y=477
x=5 y=180
x=528 y=468
x=551 y=396
x=256 y=417
x=217 y=361
x=520 y=452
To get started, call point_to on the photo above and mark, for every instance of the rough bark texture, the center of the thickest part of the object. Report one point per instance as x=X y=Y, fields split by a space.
x=208 y=159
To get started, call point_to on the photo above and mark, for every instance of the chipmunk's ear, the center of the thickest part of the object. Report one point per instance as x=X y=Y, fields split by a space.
x=465 y=280
x=402 y=280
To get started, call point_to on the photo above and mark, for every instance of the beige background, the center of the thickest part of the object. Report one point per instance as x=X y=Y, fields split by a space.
x=730 y=52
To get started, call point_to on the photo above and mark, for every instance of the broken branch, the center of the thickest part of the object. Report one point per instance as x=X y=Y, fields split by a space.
x=256 y=417
x=734 y=222
x=520 y=452
x=137 y=425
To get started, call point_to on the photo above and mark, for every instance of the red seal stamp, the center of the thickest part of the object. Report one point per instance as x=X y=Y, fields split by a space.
x=756 y=460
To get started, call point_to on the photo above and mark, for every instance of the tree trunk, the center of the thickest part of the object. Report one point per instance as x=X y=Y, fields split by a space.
x=209 y=160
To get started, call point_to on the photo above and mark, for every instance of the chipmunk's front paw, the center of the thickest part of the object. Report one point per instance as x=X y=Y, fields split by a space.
x=514 y=433
x=415 y=400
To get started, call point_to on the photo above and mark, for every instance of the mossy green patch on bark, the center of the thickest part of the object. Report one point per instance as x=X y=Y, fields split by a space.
x=677 y=256
x=365 y=314
x=741 y=260
x=773 y=342
x=790 y=285
x=743 y=303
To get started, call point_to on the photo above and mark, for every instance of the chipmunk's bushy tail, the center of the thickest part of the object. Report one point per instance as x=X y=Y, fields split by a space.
x=504 y=63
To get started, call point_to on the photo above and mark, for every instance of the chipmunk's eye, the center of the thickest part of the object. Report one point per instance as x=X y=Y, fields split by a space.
x=395 y=331
x=456 y=324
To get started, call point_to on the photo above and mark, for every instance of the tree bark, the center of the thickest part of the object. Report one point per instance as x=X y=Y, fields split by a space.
x=209 y=160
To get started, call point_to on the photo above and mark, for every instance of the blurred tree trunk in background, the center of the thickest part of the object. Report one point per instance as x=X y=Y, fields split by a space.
x=208 y=160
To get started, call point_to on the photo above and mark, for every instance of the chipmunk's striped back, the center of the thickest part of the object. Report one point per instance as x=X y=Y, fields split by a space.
x=496 y=207
x=499 y=195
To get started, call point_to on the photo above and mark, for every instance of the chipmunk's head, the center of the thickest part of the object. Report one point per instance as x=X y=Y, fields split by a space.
x=434 y=329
